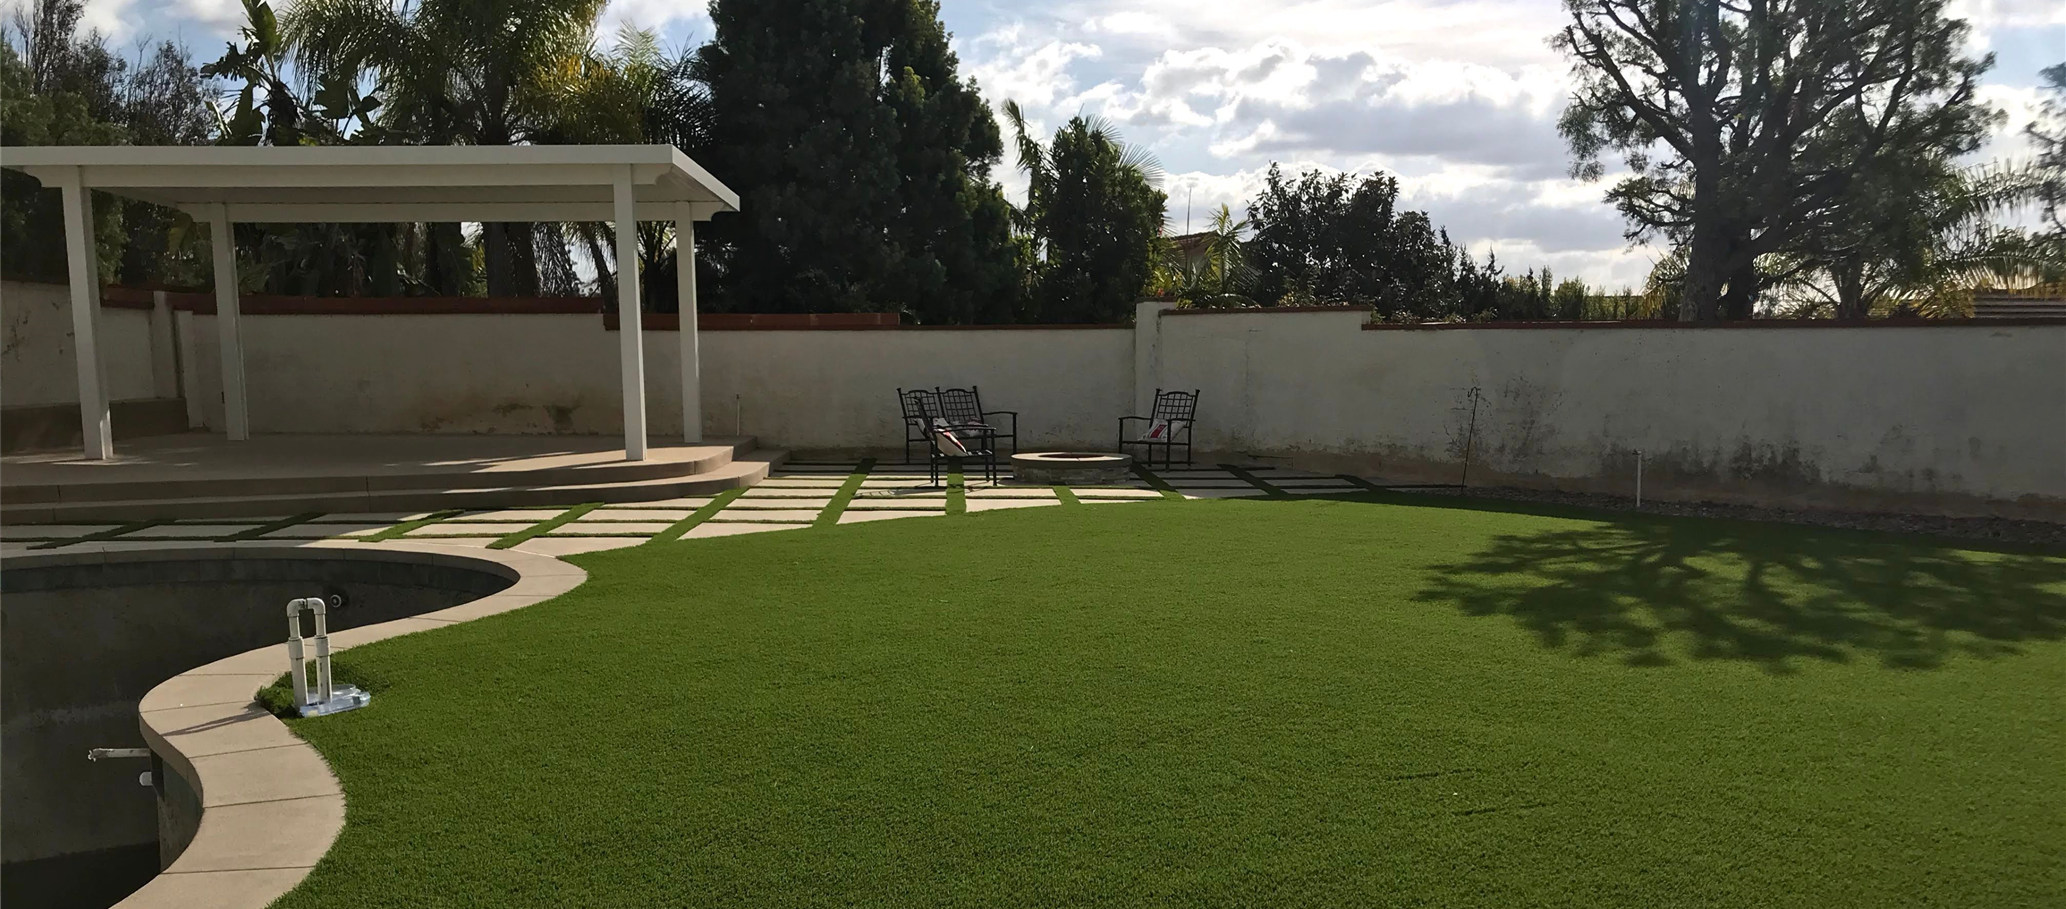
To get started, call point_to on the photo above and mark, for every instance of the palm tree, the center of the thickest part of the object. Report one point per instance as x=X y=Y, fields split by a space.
x=633 y=93
x=1092 y=217
x=1925 y=250
x=470 y=72
x=1220 y=275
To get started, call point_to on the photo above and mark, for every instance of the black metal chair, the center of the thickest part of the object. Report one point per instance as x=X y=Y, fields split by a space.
x=916 y=406
x=1176 y=411
x=977 y=441
x=965 y=406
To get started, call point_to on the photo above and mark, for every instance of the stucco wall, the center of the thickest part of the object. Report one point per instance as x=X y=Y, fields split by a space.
x=816 y=389
x=1955 y=418
x=1940 y=417
x=36 y=363
x=837 y=389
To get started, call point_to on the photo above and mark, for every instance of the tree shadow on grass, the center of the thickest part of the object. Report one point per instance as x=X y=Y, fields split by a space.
x=1647 y=590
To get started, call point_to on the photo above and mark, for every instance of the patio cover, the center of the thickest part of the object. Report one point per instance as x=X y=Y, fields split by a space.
x=220 y=186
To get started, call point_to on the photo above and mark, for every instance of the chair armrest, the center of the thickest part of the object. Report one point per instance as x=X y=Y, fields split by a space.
x=1123 y=419
x=1013 y=414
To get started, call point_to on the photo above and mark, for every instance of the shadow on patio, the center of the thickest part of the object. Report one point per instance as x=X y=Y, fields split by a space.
x=1649 y=590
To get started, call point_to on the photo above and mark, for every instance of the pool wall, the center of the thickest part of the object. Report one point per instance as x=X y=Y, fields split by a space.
x=165 y=648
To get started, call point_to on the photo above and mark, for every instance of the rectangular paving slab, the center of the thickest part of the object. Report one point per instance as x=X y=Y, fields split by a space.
x=574 y=528
x=186 y=531
x=494 y=529
x=855 y=517
x=715 y=529
x=51 y=531
x=741 y=514
x=322 y=531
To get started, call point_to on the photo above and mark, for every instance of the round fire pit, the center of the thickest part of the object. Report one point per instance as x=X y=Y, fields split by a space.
x=1064 y=468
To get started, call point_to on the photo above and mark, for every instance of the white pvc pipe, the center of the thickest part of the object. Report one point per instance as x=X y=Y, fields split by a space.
x=323 y=687
x=296 y=667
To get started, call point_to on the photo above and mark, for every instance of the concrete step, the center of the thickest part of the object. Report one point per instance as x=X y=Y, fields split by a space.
x=739 y=470
x=357 y=479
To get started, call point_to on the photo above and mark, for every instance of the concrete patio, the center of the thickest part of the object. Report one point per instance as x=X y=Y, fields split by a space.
x=793 y=497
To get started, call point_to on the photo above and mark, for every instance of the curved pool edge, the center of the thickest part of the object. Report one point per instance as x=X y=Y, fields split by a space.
x=270 y=807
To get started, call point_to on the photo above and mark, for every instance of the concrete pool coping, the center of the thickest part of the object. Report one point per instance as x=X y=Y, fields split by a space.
x=270 y=806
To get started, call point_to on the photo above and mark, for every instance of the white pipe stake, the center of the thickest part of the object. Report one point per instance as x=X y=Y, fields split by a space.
x=295 y=669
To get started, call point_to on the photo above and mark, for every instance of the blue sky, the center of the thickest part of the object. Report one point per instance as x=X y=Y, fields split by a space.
x=1456 y=97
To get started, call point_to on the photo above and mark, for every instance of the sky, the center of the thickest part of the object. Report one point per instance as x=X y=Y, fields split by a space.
x=1457 y=98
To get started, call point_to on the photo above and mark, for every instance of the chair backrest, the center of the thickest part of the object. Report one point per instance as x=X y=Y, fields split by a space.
x=917 y=404
x=1175 y=405
x=960 y=405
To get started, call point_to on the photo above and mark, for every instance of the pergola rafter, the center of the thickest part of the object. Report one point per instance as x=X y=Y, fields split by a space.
x=222 y=186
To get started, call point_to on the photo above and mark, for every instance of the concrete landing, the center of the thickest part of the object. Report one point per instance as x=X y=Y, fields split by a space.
x=209 y=476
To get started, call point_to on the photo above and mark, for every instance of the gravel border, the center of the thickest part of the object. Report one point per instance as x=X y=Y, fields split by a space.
x=1998 y=530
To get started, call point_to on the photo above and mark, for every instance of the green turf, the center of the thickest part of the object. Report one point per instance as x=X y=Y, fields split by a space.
x=1300 y=703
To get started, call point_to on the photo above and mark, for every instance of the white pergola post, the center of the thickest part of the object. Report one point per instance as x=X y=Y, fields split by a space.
x=229 y=328
x=691 y=358
x=82 y=255
x=631 y=335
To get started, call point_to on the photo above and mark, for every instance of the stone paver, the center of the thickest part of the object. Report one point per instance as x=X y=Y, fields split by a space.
x=464 y=542
x=447 y=527
x=1195 y=493
x=323 y=531
x=1012 y=492
x=559 y=546
x=690 y=502
x=901 y=504
x=638 y=514
x=997 y=504
x=371 y=517
x=573 y=528
x=527 y=515
x=186 y=531
x=51 y=531
x=766 y=492
x=765 y=514
x=854 y=517
x=1088 y=492
x=710 y=529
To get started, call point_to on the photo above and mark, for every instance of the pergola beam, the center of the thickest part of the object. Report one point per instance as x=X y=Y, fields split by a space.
x=448 y=212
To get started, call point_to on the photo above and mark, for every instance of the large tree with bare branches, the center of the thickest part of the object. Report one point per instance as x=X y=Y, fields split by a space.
x=1744 y=123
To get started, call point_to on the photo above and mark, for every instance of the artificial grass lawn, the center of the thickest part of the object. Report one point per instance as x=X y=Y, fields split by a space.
x=1228 y=703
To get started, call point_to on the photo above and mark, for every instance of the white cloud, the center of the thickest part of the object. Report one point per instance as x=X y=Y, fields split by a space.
x=1010 y=66
x=656 y=15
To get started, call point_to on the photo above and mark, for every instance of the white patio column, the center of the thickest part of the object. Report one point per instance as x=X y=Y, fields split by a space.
x=691 y=358
x=630 y=335
x=229 y=327
x=82 y=255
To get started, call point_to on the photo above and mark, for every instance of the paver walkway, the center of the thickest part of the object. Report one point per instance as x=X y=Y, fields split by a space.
x=800 y=495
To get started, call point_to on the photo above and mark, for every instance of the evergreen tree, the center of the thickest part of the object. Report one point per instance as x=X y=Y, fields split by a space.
x=861 y=160
x=1093 y=216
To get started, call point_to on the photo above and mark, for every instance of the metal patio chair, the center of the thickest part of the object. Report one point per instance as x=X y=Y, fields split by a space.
x=978 y=441
x=916 y=404
x=1174 y=412
x=964 y=406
